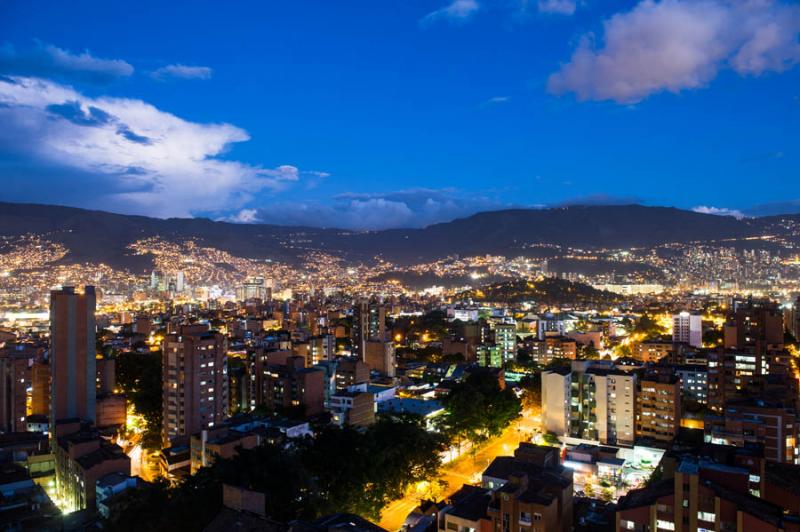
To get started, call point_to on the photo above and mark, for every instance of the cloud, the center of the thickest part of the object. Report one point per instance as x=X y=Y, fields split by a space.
x=455 y=11
x=147 y=161
x=416 y=207
x=675 y=45
x=181 y=72
x=719 y=211
x=558 y=7
x=244 y=216
x=50 y=61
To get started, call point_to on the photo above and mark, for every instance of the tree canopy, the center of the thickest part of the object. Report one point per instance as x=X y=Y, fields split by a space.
x=139 y=376
x=338 y=470
x=477 y=408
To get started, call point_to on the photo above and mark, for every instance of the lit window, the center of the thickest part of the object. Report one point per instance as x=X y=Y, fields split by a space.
x=707 y=516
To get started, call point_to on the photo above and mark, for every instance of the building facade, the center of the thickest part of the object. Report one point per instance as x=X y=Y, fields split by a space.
x=195 y=383
x=72 y=354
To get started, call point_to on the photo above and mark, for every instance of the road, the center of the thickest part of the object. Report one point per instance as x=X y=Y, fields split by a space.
x=465 y=470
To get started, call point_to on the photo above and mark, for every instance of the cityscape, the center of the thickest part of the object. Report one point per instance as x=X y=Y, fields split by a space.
x=499 y=291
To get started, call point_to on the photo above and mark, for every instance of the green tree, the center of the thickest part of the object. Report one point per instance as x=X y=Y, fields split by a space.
x=649 y=327
x=139 y=376
x=590 y=352
x=477 y=409
x=339 y=470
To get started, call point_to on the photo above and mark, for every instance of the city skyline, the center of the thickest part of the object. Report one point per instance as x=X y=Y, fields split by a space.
x=409 y=266
x=370 y=117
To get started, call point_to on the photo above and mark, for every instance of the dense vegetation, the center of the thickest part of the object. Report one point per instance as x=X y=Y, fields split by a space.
x=139 y=376
x=548 y=291
x=340 y=470
x=477 y=408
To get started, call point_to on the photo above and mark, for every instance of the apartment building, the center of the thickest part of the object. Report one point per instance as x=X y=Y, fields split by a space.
x=600 y=402
x=195 y=383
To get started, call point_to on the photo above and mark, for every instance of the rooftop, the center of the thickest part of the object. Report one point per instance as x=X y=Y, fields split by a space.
x=470 y=503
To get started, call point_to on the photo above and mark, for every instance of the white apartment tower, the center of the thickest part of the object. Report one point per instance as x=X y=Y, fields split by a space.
x=592 y=401
x=687 y=329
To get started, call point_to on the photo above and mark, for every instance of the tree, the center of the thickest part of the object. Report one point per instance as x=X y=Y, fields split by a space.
x=551 y=439
x=139 y=376
x=557 y=363
x=477 y=409
x=590 y=352
x=712 y=337
x=532 y=391
x=338 y=470
x=649 y=327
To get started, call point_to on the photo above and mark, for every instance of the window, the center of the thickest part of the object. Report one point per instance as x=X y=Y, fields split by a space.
x=707 y=516
x=665 y=525
x=627 y=525
x=452 y=526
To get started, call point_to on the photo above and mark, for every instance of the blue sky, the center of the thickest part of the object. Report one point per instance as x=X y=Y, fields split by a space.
x=373 y=114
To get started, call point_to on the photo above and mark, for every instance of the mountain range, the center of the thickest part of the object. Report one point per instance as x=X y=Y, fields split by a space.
x=98 y=236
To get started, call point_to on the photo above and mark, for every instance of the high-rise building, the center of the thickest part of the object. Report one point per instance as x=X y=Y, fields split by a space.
x=556 y=397
x=40 y=392
x=687 y=329
x=694 y=382
x=774 y=424
x=489 y=356
x=195 y=384
x=369 y=325
x=592 y=401
x=351 y=371
x=380 y=357
x=794 y=321
x=290 y=388
x=321 y=348
x=505 y=337
x=15 y=379
x=755 y=325
x=72 y=355
x=735 y=373
x=155 y=280
x=658 y=407
x=253 y=288
x=552 y=347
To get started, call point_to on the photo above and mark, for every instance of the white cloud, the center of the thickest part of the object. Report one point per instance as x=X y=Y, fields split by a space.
x=244 y=216
x=455 y=11
x=719 y=211
x=416 y=207
x=674 y=45
x=182 y=72
x=49 y=60
x=152 y=162
x=559 y=7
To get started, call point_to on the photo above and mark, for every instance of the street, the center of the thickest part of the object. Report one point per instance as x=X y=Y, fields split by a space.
x=466 y=469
